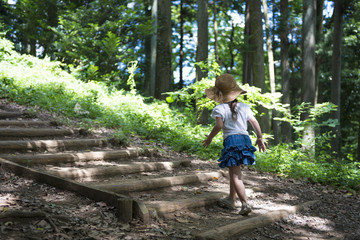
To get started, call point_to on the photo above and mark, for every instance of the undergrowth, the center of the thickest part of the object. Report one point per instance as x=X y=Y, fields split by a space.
x=34 y=82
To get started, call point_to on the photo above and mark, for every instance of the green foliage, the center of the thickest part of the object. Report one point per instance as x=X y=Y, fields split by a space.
x=315 y=114
x=98 y=39
x=120 y=137
x=288 y=161
x=132 y=66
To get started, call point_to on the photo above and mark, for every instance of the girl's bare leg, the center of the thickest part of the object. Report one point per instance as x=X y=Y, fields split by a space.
x=236 y=184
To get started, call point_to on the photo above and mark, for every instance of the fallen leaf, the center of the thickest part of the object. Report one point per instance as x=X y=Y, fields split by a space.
x=180 y=220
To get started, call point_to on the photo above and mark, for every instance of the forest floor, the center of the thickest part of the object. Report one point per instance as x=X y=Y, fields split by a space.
x=62 y=214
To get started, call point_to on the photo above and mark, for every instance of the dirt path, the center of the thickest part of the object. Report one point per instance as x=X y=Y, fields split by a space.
x=337 y=217
x=57 y=214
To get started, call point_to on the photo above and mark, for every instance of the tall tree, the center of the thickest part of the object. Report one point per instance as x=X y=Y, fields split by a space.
x=336 y=71
x=181 y=60
x=258 y=69
x=203 y=37
x=271 y=69
x=153 y=54
x=285 y=68
x=147 y=50
x=308 y=63
x=216 y=47
x=247 y=56
x=269 y=48
x=163 y=49
x=202 y=46
x=319 y=34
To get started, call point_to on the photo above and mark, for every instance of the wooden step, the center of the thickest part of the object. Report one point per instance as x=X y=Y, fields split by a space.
x=50 y=145
x=59 y=158
x=155 y=183
x=120 y=169
x=196 y=201
x=246 y=225
x=16 y=133
x=4 y=114
x=25 y=123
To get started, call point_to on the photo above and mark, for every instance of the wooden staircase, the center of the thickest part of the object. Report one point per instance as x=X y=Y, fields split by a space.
x=71 y=159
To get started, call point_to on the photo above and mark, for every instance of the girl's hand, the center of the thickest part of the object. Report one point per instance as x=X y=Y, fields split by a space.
x=260 y=143
x=207 y=141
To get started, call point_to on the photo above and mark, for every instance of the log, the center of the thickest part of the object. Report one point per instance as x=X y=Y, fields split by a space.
x=58 y=158
x=244 y=226
x=83 y=173
x=10 y=114
x=15 y=214
x=6 y=133
x=50 y=145
x=155 y=183
x=200 y=200
x=25 y=123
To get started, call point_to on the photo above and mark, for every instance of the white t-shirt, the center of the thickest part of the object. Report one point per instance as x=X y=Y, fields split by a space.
x=231 y=126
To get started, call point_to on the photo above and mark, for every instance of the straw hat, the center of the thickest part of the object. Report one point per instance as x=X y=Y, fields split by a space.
x=225 y=90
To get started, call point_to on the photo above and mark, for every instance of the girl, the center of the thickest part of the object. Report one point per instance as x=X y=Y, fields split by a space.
x=231 y=117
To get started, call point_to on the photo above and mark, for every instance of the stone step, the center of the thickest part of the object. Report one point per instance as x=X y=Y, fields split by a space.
x=120 y=169
x=156 y=183
x=196 y=201
x=4 y=114
x=16 y=133
x=50 y=145
x=25 y=123
x=61 y=158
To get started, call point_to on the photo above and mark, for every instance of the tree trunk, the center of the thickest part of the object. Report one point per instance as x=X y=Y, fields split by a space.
x=231 y=48
x=163 y=58
x=32 y=45
x=147 y=50
x=308 y=65
x=336 y=73
x=203 y=37
x=319 y=27
x=181 y=80
x=247 y=57
x=358 y=148
x=154 y=16
x=285 y=72
x=269 y=48
x=215 y=33
x=271 y=70
x=258 y=58
x=202 y=47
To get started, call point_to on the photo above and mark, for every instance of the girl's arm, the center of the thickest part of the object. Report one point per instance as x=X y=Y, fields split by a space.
x=259 y=141
x=219 y=124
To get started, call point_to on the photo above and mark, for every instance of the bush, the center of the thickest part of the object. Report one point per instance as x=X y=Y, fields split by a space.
x=289 y=162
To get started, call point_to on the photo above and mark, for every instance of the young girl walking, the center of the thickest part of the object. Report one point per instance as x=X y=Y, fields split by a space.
x=231 y=117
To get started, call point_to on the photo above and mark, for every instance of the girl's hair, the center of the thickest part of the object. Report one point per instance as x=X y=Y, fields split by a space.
x=232 y=106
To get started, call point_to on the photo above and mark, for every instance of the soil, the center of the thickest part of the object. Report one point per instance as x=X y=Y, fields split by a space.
x=59 y=214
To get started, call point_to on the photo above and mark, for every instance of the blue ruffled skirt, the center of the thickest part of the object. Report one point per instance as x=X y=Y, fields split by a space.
x=237 y=151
